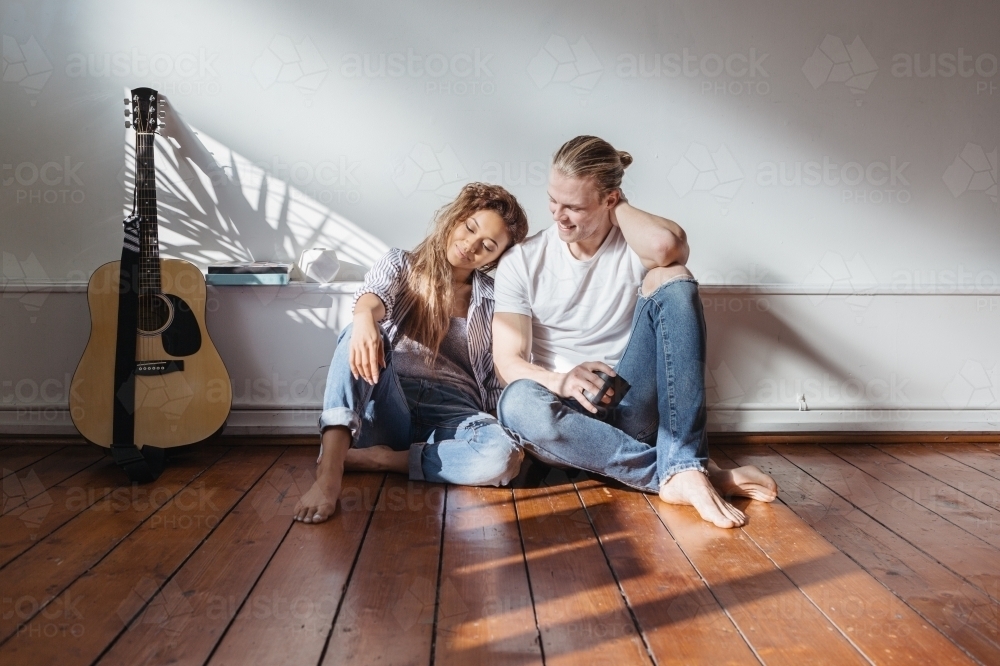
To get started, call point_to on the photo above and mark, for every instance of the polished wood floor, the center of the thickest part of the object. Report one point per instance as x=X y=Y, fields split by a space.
x=883 y=554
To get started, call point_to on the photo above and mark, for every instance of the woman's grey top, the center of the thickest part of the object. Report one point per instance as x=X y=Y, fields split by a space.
x=452 y=366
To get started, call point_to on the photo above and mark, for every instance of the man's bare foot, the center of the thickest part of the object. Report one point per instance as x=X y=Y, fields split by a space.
x=378 y=458
x=320 y=501
x=692 y=488
x=746 y=481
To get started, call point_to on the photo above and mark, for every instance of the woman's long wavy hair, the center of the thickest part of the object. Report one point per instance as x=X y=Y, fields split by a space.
x=430 y=276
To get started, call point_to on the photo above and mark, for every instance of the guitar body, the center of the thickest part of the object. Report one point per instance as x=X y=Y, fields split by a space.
x=182 y=389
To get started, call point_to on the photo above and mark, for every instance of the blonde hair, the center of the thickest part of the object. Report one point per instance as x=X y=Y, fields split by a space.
x=592 y=157
x=430 y=276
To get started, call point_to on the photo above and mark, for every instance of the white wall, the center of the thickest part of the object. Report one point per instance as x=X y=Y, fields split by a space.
x=811 y=148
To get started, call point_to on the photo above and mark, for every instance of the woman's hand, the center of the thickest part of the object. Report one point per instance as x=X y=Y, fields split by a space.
x=367 y=354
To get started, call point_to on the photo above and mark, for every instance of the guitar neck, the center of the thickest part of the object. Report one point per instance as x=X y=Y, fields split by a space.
x=145 y=195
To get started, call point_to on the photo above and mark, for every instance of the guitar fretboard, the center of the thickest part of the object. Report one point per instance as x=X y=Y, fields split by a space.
x=145 y=191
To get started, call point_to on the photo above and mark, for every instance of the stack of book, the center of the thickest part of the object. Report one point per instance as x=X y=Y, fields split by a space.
x=248 y=272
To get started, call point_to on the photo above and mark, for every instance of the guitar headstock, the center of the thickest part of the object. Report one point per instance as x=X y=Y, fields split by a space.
x=144 y=111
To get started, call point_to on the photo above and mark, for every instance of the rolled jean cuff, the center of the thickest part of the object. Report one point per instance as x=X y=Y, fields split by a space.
x=339 y=416
x=682 y=467
x=417 y=461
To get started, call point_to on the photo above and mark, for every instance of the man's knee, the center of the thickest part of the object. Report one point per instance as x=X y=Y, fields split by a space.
x=519 y=403
x=662 y=275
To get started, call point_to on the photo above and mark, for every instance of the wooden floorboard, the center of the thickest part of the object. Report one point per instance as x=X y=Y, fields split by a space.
x=781 y=624
x=963 y=553
x=41 y=573
x=955 y=607
x=881 y=552
x=958 y=508
x=35 y=479
x=387 y=614
x=485 y=613
x=580 y=611
x=963 y=478
x=288 y=615
x=680 y=619
x=973 y=457
x=991 y=447
x=131 y=578
x=206 y=593
x=25 y=523
x=15 y=458
x=877 y=622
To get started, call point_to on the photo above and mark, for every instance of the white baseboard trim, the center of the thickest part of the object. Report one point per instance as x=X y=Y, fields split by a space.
x=54 y=420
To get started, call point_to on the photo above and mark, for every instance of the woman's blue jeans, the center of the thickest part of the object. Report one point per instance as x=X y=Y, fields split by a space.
x=449 y=439
x=658 y=429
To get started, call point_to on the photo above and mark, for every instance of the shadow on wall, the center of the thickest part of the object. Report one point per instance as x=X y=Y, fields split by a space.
x=216 y=205
x=770 y=338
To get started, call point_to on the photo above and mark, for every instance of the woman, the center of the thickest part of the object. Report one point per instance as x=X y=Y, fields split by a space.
x=417 y=393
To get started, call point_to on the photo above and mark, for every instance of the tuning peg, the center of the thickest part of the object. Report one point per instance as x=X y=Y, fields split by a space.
x=126 y=100
x=128 y=124
x=127 y=112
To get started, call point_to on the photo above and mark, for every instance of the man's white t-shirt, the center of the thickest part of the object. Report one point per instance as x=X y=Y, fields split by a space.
x=580 y=310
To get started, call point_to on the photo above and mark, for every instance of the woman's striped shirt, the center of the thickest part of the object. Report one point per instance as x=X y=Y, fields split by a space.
x=387 y=280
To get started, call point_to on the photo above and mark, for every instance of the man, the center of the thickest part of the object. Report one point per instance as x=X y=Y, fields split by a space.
x=605 y=289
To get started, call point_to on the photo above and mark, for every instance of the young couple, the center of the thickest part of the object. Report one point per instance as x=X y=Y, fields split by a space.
x=446 y=377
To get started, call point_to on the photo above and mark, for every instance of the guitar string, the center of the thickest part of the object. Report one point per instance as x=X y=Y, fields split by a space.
x=149 y=268
x=146 y=255
x=143 y=257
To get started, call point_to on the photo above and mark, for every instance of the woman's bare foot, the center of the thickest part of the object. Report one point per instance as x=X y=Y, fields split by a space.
x=378 y=458
x=746 y=481
x=320 y=501
x=692 y=488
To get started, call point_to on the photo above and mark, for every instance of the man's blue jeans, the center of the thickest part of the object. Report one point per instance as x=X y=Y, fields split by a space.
x=658 y=429
x=449 y=439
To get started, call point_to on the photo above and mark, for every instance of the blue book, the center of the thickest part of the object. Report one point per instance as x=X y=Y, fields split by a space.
x=242 y=279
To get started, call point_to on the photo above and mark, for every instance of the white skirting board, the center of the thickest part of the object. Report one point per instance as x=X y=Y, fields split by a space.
x=879 y=360
x=303 y=421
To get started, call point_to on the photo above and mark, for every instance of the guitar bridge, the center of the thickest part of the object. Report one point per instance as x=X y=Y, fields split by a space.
x=158 y=367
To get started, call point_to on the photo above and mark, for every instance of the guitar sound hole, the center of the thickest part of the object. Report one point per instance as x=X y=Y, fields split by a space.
x=155 y=314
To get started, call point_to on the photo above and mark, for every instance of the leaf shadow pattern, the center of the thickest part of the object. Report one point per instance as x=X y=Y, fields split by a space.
x=214 y=204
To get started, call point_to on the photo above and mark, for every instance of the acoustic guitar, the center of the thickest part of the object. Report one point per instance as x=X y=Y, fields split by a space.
x=150 y=377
